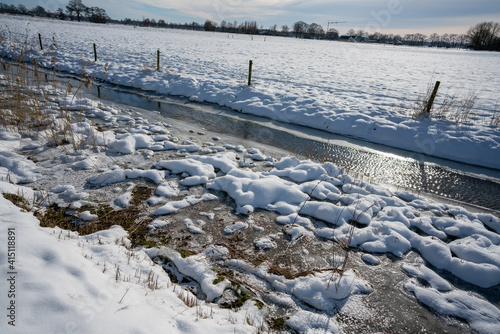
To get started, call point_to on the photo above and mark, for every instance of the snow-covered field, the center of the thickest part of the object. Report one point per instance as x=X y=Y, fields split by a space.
x=350 y=89
x=257 y=228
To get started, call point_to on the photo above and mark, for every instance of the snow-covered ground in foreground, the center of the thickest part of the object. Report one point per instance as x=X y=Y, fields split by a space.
x=66 y=282
x=349 y=89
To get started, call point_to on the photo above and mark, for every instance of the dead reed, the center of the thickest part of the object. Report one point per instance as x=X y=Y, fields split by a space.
x=458 y=109
x=33 y=102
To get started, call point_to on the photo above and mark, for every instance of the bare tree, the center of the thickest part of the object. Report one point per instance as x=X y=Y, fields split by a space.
x=434 y=37
x=415 y=39
x=22 y=9
x=387 y=38
x=77 y=7
x=248 y=27
x=300 y=28
x=361 y=33
x=376 y=36
x=11 y=9
x=209 y=26
x=463 y=40
x=485 y=36
x=315 y=30
x=453 y=40
x=445 y=40
x=60 y=14
x=39 y=11
x=223 y=25
x=285 y=30
x=96 y=15
x=421 y=38
x=273 y=29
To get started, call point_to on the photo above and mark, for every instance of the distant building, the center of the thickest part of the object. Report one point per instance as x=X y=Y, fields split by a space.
x=347 y=38
x=332 y=34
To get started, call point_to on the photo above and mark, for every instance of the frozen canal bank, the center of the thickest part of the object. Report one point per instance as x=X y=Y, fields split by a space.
x=399 y=169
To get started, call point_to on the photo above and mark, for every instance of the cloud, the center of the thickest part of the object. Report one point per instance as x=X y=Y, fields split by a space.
x=219 y=10
x=416 y=15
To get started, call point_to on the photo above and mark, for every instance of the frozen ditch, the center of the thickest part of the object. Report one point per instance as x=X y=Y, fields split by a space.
x=267 y=256
x=237 y=225
x=236 y=236
x=399 y=169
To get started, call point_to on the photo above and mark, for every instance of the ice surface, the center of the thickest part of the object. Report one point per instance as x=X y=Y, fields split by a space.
x=16 y=168
x=475 y=310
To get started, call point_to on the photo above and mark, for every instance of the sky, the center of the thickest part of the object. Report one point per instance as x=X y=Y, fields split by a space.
x=386 y=16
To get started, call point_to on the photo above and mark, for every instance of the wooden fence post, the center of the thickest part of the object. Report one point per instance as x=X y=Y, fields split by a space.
x=95 y=52
x=158 y=60
x=250 y=73
x=433 y=96
x=40 y=40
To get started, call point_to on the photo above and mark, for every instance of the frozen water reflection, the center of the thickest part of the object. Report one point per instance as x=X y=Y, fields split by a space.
x=400 y=169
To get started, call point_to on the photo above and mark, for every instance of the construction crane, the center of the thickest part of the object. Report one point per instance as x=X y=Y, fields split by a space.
x=335 y=22
x=328 y=29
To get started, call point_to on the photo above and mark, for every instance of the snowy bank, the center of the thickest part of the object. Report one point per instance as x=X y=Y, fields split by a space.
x=330 y=91
x=66 y=283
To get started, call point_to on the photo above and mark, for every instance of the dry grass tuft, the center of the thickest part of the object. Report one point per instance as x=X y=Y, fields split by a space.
x=18 y=200
x=33 y=102
x=449 y=107
x=132 y=219
x=495 y=116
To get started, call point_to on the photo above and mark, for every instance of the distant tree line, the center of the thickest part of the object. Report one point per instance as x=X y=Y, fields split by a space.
x=483 y=36
x=147 y=22
x=247 y=27
x=303 y=30
x=416 y=39
x=74 y=10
